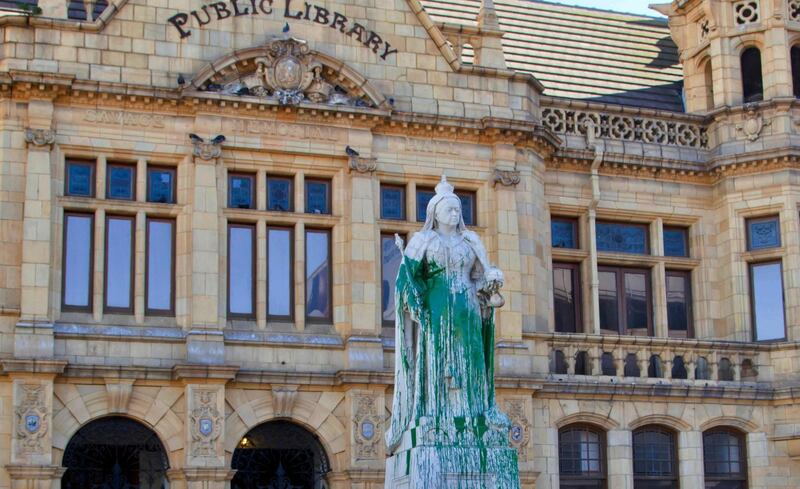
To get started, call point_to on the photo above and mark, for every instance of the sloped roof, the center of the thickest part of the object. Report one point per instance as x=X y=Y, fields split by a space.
x=583 y=53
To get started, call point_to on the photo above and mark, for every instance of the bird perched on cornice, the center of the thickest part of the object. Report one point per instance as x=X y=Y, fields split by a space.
x=350 y=151
x=181 y=80
x=286 y=28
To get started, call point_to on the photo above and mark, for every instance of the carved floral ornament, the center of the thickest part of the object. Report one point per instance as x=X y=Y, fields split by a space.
x=287 y=72
x=206 y=423
x=506 y=178
x=40 y=137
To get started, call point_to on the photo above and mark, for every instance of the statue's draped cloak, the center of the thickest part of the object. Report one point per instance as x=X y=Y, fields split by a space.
x=444 y=366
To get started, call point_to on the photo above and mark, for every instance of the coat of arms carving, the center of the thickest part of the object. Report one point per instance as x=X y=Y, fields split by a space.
x=32 y=422
x=206 y=424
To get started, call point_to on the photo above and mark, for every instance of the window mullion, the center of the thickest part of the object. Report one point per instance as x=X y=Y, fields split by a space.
x=99 y=263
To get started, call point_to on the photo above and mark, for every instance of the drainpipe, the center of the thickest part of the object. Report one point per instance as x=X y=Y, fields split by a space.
x=594 y=283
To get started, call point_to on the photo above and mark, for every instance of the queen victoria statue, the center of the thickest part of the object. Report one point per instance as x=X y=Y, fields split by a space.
x=446 y=429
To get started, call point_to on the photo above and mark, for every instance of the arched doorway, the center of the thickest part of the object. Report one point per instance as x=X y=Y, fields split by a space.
x=279 y=455
x=115 y=453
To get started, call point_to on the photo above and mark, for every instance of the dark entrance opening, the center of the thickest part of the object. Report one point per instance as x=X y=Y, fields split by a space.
x=115 y=453
x=279 y=455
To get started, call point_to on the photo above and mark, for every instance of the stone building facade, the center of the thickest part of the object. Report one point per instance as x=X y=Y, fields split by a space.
x=197 y=204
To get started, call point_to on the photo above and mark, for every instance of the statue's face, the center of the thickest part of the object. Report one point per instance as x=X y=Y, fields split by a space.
x=448 y=211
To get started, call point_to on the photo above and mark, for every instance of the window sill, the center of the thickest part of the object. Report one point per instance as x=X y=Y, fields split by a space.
x=569 y=254
x=764 y=255
x=112 y=205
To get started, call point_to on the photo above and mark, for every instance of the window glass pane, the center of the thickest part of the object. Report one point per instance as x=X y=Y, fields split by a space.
x=752 y=82
x=675 y=242
x=317 y=197
x=763 y=233
x=653 y=453
x=636 y=300
x=240 y=191
x=161 y=185
x=120 y=182
x=722 y=456
x=279 y=272
x=609 y=310
x=768 y=301
x=80 y=178
x=390 y=264
x=678 y=300
x=279 y=194
x=467 y=207
x=77 y=261
x=580 y=453
x=119 y=260
x=393 y=202
x=240 y=270
x=563 y=233
x=318 y=287
x=159 y=265
x=423 y=197
x=621 y=238
x=564 y=299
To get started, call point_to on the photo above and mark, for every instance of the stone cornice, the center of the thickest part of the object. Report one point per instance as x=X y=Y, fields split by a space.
x=32 y=366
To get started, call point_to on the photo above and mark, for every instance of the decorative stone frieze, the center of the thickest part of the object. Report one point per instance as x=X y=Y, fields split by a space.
x=367 y=427
x=625 y=127
x=361 y=164
x=753 y=123
x=40 y=137
x=32 y=418
x=506 y=178
x=205 y=423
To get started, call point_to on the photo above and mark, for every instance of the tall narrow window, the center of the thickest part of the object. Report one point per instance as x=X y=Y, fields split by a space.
x=654 y=459
x=390 y=264
x=78 y=258
x=563 y=232
x=752 y=83
x=318 y=275
x=424 y=195
x=725 y=459
x=625 y=306
x=766 y=297
x=795 y=55
x=161 y=185
x=393 y=202
x=119 y=264
x=566 y=297
x=318 y=196
x=120 y=181
x=709 y=81
x=279 y=194
x=676 y=241
x=79 y=178
x=160 y=269
x=280 y=266
x=241 y=270
x=581 y=457
x=241 y=191
x=679 y=304
x=468 y=209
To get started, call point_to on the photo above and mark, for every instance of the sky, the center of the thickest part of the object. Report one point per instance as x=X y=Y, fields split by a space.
x=630 y=6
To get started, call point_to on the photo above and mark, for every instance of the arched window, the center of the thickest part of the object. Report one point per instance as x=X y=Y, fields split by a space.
x=282 y=454
x=655 y=460
x=701 y=370
x=607 y=364
x=632 y=366
x=752 y=83
x=655 y=369
x=582 y=457
x=709 y=84
x=725 y=458
x=795 y=55
x=559 y=363
x=679 y=368
x=114 y=452
x=582 y=363
x=725 y=370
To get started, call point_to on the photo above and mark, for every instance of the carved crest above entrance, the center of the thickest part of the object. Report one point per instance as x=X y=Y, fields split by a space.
x=285 y=70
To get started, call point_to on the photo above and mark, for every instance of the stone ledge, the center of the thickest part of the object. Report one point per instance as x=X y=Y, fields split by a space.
x=35 y=472
x=210 y=372
x=33 y=366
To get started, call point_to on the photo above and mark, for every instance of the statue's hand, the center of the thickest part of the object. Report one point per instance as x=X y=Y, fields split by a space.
x=494 y=279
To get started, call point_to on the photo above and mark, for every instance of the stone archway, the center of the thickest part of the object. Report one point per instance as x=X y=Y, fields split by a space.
x=115 y=452
x=278 y=455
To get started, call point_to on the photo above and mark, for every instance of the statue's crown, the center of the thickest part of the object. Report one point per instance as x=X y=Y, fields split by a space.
x=443 y=188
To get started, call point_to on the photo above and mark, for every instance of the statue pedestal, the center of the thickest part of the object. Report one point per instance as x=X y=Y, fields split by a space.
x=469 y=458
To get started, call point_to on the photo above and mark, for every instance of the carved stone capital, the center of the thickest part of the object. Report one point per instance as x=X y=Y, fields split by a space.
x=40 y=137
x=363 y=165
x=507 y=178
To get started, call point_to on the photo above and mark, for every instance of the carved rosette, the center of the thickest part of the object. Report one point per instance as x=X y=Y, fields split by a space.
x=363 y=165
x=519 y=435
x=31 y=419
x=367 y=428
x=205 y=423
x=40 y=137
x=506 y=178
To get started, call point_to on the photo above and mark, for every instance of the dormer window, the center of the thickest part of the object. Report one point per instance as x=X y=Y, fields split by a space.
x=752 y=83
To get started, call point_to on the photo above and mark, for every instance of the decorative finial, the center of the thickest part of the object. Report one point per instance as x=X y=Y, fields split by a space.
x=443 y=188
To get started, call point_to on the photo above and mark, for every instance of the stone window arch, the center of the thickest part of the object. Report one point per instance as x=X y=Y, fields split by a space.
x=752 y=80
x=582 y=456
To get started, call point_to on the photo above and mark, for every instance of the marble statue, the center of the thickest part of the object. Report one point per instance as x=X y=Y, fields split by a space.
x=446 y=429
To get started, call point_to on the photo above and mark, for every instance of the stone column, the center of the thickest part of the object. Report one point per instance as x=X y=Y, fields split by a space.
x=659 y=281
x=364 y=348
x=33 y=337
x=690 y=458
x=204 y=341
x=206 y=467
x=31 y=465
x=620 y=459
